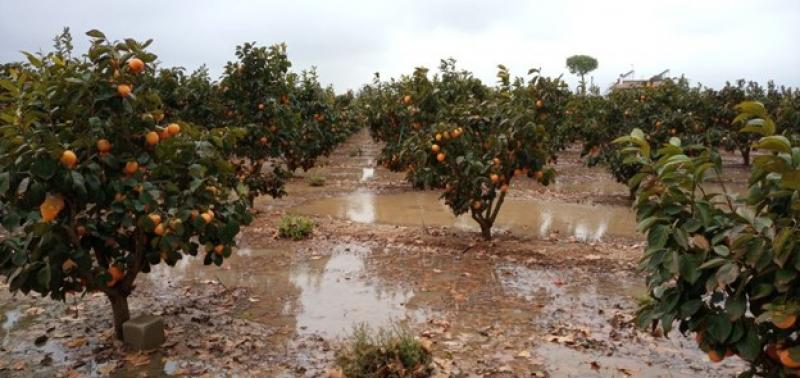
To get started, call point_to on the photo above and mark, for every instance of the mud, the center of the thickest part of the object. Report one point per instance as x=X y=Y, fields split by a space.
x=553 y=294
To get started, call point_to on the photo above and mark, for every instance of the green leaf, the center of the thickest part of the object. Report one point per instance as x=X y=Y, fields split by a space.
x=5 y=182
x=658 y=236
x=735 y=306
x=777 y=143
x=719 y=327
x=44 y=168
x=791 y=180
x=94 y=33
x=727 y=274
x=749 y=346
x=713 y=263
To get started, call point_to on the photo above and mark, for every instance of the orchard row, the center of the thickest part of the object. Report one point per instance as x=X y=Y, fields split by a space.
x=110 y=164
x=721 y=266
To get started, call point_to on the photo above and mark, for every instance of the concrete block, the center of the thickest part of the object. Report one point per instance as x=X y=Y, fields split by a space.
x=144 y=332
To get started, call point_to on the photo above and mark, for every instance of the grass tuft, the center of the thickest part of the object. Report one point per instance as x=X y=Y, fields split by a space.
x=392 y=352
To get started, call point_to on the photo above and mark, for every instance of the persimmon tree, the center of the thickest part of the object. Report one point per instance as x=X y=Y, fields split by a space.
x=475 y=156
x=721 y=267
x=96 y=186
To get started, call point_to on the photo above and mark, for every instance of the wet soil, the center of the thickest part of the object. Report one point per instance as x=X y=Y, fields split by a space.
x=553 y=294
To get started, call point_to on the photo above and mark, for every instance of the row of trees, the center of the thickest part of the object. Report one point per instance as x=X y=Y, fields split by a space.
x=453 y=132
x=110 y=165
x=670 y=108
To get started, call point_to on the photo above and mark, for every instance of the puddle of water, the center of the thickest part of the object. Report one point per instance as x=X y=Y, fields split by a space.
x=584 y=302
x=325 y=295
x=11 y=319
x=336 y=299
x=584 y=222
x=367 y=174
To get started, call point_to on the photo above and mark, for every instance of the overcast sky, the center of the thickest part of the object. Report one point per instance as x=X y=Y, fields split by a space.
x=710 y=41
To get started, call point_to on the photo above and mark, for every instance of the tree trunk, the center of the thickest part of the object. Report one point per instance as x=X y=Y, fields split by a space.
x=746 y=155
x=583 y=85
x=119 y=305
x=486 y=230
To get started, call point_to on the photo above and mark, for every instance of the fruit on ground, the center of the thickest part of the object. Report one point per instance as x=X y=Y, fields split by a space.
x=51 y=207
x=124 y=90
x=152 y=138
x=69 y=159
x=136 y=65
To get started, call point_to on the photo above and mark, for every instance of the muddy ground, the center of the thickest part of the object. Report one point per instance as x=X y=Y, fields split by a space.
x=553 y=295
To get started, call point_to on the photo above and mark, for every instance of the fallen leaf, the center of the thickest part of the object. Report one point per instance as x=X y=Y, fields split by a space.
x=34 y=311
x=137 y=359
x=106 y=368
x=76 y=342
x=19 y=365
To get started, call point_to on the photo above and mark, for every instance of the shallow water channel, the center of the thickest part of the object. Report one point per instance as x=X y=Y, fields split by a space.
x=538 y=218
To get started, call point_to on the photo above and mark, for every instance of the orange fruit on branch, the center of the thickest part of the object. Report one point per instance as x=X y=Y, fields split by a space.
x=124 y=90
x=152 y=138
x=131 y=167
x=160 y=230
x=103 y=146
x=218 y=249
x=155 y=218
x=785 y=322
x=69 y=159
x=51 y=207
x=435 y=148
x=787 y=360
x=136 y=65
x=713 y=356
x=441 y=156
x=116 y=275
x=173 y=129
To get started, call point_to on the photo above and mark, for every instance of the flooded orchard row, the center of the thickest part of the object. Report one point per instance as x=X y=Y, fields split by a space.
x=553 y=295
x=483 y=312
x=538 y=218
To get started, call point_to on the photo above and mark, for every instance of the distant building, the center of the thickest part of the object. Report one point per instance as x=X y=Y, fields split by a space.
x=624 y=83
